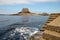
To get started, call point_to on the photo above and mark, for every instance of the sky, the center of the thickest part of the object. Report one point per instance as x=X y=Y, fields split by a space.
x=36 y=6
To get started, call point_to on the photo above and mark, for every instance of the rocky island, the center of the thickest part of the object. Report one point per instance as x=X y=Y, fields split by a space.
x=25 y=12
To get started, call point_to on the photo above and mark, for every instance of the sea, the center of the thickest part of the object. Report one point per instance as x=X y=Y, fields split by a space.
x=20 y=27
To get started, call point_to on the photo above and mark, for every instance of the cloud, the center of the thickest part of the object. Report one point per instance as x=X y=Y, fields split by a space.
x=3 y=2
x=6 y=12
x=1 y=12
x=45 y=0
x=9 y=2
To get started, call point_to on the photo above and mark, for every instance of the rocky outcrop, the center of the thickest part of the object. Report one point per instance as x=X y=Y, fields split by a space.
x=25 y=12
x=44 y=14
x=52 y=28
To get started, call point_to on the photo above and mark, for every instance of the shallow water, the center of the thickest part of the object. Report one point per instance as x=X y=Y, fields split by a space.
x=8 y=24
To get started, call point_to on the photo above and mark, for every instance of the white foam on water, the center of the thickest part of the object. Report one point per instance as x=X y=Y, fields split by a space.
x=27 y=30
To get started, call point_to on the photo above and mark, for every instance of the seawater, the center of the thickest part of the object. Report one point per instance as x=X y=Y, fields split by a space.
x=9 y=22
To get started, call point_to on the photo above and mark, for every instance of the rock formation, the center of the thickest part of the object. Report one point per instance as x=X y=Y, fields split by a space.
x=44 y=14
x=25 y=12
x=52 y=28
